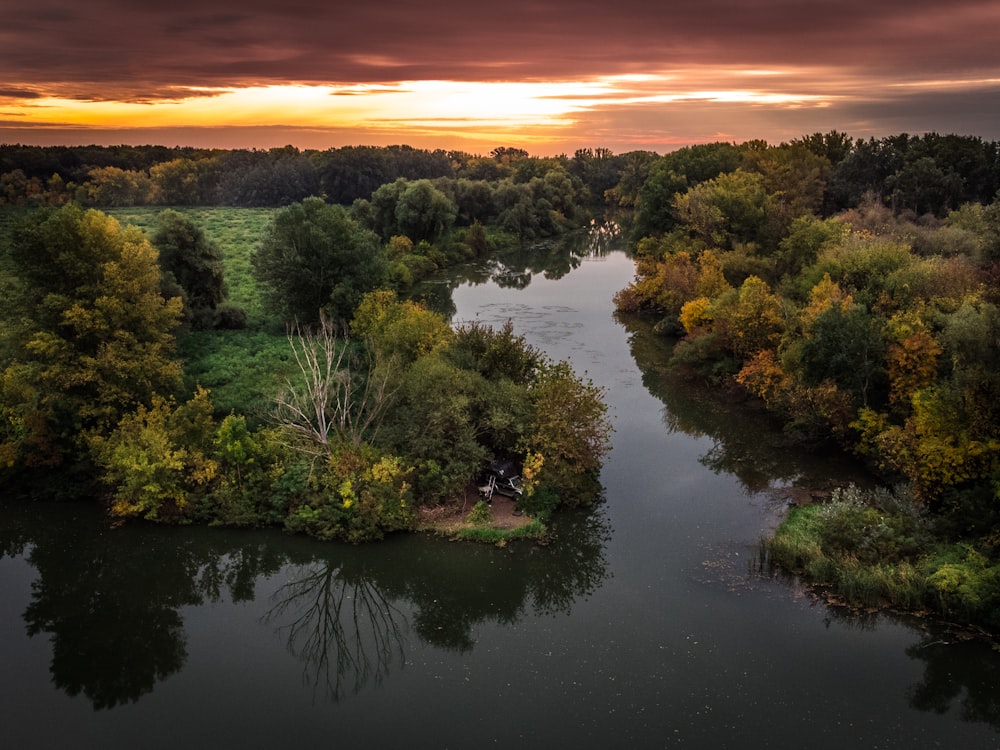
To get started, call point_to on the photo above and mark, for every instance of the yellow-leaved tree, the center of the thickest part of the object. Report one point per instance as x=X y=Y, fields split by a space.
x=95 y=340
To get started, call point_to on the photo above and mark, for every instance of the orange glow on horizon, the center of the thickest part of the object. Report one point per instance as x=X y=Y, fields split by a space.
x=453 y=105
x=546 y=115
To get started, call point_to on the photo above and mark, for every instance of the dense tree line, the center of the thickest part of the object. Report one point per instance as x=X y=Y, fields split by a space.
x=926 y=174
x=155 y=175
x=852 y=286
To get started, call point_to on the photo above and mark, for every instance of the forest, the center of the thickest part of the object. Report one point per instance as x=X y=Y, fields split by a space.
x=849 y=285
x=342 y=409
x=851 y=288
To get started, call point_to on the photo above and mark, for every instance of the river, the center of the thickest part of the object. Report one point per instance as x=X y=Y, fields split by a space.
x=647 y=623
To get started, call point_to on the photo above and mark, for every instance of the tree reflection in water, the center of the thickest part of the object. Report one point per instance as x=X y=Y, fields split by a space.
x=514 y=268
x=109 y=599
x=747 y=442
x=344 y=619
x=344 y=628
x=956 y=671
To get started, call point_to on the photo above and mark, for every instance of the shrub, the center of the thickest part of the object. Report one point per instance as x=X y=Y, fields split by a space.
x=229 y=317
x=966 y=584
x=865 y=544
x=480 y=515
x=359 y=497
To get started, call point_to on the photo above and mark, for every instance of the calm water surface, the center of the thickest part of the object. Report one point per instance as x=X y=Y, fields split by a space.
x=646 y=623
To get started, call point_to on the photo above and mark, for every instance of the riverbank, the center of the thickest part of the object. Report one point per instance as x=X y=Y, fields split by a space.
x=877 y=549
x=458 y=520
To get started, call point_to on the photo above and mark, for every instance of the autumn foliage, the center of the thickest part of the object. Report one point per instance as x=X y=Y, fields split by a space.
x=862 y=327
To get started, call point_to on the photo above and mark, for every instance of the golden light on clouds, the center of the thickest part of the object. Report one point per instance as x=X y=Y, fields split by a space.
x=557 y=76
x=517 y=104
x=524 y=106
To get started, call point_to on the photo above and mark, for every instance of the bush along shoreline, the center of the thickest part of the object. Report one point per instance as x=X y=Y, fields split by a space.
x=878 y=549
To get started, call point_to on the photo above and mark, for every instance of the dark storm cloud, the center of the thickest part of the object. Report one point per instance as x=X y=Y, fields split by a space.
x=120 y=49
x=940 y=111
x=14 y=92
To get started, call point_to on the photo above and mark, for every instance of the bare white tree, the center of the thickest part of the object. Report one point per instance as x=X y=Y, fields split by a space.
x=339 y=395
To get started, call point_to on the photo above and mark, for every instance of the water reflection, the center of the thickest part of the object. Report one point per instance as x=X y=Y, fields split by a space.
x=111 y=600
x=458 y=588
x=956 y=673
x=342 y=626
x=515 y=267
x=956 y=676
x=746 y=441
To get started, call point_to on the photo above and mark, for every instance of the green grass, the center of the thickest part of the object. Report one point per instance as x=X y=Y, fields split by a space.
x=243 y=369
x=237 y=232
x=500 y=537
x=805 y=544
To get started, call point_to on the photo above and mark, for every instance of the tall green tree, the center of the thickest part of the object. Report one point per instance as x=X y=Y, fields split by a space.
x=192 y=261
x=846 y=344
x=95 y=339
x=315 y=257
x=424 y=212
x=570 y=433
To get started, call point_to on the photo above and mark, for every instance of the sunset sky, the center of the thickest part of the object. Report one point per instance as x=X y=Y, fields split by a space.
x=544 y=75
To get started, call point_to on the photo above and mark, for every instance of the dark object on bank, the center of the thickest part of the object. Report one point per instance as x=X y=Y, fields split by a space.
x=503 y=477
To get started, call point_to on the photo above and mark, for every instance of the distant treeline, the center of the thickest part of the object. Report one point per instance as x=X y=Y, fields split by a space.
x=925 y=174
x=118 y=176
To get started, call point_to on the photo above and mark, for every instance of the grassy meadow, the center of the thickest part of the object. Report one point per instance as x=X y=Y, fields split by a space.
x=241 y=368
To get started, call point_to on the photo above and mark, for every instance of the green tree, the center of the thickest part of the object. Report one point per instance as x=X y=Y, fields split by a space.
x=158 y=458
x=750 y=319
x=315 y=257
x=846 y=344
x=424 y=213
x=923 y=187
x=806 y=236
x=400 y=329
x=570 y=431
x=729 y=210
x=184 y=182
x=192 y=261
x=655 y=209
x=793 y=178
x=96 y=338
x=598 y=169
x=433 y=423
x=380 y=211
x=111 y=186
x=861 y=264
x=835 y=146
x=495 y=353
x=475 y=202
x=632 y=173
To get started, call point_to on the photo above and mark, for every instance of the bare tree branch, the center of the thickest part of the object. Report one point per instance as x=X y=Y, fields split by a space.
x=338 y=396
